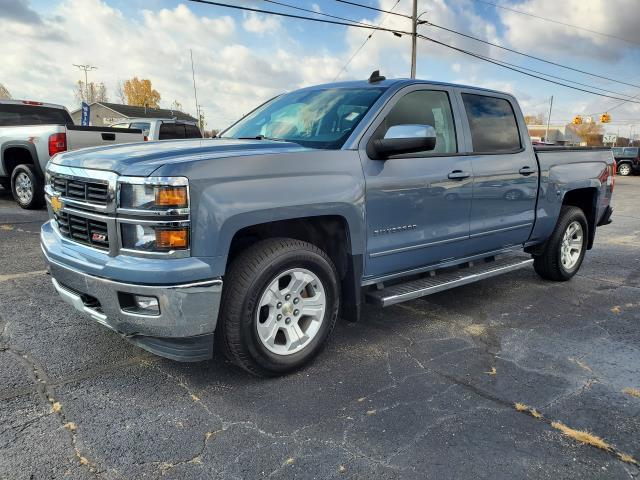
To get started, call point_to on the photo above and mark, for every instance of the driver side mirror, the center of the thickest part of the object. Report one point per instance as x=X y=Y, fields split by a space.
x=399 y=139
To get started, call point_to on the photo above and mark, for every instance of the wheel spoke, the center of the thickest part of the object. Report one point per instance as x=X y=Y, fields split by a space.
x=271 y=296
x=268 y=329
x=298 y=337
x=313 y=306
x=299 y=280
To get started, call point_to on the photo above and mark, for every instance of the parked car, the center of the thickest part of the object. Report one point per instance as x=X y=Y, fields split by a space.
x=317 y=200
x=31 y=133
x=627 y=160
x=162 y=128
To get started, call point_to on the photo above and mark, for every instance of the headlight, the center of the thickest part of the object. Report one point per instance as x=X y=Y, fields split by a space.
x=154 y=193
x=153 y=213
x=154 y=238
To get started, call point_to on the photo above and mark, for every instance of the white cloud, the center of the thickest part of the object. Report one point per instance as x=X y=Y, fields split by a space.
x=613 y=17
x=231 y=77
x=261 y=24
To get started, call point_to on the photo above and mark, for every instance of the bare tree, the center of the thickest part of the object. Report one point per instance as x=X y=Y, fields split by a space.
x=4 y=93
x=120 y=92
x=176 y=105
x=92 y=92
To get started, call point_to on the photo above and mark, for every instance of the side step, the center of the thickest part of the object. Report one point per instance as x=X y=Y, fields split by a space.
x=410 y=290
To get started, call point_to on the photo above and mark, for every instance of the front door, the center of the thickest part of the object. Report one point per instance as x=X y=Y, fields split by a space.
x=417 y=205
x=505 y=173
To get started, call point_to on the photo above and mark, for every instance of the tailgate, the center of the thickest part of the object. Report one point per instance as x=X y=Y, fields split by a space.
x=83 y=137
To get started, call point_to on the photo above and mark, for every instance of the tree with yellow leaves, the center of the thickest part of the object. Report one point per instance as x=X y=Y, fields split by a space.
x=140 y=93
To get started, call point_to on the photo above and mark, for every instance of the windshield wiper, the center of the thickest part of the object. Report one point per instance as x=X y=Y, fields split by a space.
x=261 y=137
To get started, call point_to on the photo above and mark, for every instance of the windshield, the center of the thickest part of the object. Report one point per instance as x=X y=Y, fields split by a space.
x=312 y=118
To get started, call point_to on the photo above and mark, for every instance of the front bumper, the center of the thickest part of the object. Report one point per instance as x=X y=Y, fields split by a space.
x=182 y=331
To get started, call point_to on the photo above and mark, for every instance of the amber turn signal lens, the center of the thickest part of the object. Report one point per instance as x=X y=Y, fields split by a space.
x=171 y=197
x=172 y=239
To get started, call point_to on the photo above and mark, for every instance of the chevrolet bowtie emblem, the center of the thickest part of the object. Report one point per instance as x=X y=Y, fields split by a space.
x=56 y=204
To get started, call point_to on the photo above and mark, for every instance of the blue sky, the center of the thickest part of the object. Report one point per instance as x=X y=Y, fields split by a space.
x=241 y=58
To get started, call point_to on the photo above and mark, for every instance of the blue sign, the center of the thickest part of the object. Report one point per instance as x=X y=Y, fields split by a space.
x=85 y=114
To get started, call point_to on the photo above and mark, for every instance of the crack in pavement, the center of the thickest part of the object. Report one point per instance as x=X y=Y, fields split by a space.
x=47 y=394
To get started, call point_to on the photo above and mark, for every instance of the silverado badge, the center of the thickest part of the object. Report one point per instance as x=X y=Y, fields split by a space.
x=56 y=204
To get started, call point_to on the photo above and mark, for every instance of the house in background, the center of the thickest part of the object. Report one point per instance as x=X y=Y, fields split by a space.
x=104 y=114
x=558 y=134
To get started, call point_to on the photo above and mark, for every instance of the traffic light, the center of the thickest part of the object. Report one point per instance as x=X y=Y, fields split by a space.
x=577 y=120
x=605 y=118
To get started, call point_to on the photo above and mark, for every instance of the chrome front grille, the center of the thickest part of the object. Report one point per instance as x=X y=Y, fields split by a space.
x=83 y=190
x=83 y=230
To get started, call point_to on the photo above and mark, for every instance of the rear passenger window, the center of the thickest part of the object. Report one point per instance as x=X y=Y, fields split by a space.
x=493 y=124
x=169 y=131
x=425 y=107
x=192 y=131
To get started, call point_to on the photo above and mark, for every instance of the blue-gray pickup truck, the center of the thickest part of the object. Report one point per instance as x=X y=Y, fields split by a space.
x=320 y=199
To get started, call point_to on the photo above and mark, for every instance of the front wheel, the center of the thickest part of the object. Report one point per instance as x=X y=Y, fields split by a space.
x=624 y=169
x=564 y=251
x=280 y=304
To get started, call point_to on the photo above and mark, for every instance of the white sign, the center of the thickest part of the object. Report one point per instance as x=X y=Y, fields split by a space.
x=609 y=138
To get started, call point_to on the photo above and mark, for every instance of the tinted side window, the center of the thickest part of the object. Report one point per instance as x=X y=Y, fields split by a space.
x=144 y=126
x=171 y=130
x=15 y=115
x=632 y=152
x=493 y=124
x=192 y=131
x=425 y=107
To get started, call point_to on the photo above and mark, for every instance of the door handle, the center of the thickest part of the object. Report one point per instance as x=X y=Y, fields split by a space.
x=526 y=171
x=458 y=175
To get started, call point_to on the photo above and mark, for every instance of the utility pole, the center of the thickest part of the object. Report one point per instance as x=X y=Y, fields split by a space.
x=414 y=37
x=546 y=135
x=86 y=68
x=195 y=92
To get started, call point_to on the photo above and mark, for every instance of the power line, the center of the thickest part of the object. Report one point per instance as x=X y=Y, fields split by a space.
x=557 y=21
x=499 y=63
x=295 y=7
x=344 y=67
x=530 y=56
x=351 y=23
x=368 y=7
x=373 y=27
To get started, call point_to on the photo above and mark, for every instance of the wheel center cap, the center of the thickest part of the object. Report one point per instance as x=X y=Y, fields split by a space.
x=287 y=309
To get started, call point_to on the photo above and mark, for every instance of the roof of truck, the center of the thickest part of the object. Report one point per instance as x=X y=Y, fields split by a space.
x=398 y=82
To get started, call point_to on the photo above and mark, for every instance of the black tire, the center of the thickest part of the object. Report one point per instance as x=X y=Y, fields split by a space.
x=247 y=278
x=548 y=264
x=624 y=169
x=36 y=188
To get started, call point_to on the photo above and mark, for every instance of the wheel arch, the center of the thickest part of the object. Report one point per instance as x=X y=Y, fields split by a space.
x=331 y=233
x=19 y=153
x=585 y=199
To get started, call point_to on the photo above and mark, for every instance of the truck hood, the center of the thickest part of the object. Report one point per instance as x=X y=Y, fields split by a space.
x=142 y=159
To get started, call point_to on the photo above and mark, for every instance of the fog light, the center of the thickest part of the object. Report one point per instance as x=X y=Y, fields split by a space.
x=147 y=303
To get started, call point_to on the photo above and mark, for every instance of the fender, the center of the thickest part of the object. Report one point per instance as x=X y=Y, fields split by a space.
x=30 y=147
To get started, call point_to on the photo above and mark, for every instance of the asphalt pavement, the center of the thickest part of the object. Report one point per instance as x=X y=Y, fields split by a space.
x=425 y=389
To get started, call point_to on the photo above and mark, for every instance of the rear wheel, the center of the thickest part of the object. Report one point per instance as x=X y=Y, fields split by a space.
x=279 y=306
x=624 y=169
x=565 y=248
x=27 y=187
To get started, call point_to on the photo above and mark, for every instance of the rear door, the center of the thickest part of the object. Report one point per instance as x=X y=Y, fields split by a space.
x=505 y=171
x=417 y=205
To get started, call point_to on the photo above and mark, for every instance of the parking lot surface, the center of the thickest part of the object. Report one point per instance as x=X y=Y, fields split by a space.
x=425 y=389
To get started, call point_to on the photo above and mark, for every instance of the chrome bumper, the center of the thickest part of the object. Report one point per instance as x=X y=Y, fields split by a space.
x=182 y=331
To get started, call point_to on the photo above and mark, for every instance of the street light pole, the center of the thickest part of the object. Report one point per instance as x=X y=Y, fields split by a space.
x=195 y=93
x=86 y=68
x=414 y=37
x=546 y=135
